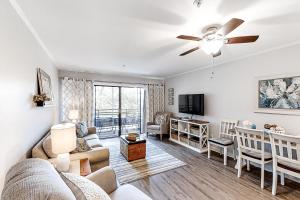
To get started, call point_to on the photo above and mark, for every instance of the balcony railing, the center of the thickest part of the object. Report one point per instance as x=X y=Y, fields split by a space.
x=107 y=121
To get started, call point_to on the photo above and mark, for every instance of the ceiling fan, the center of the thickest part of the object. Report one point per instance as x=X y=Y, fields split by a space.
x=214 y=38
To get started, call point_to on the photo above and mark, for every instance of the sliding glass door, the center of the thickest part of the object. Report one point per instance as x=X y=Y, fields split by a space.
x=118 y=110
x=107 y=107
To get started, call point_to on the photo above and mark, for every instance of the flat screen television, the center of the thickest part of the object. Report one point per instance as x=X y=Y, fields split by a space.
x=191 y=104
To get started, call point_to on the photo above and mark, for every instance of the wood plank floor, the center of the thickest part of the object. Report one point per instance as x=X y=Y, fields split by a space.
x=203 y=179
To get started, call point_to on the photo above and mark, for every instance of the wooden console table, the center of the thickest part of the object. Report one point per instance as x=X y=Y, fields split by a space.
x=192 y=134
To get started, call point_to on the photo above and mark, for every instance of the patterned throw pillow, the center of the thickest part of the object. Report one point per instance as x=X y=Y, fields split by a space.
x=84 y=189
x=81 y=146
x=159 y=119
x=81 y=129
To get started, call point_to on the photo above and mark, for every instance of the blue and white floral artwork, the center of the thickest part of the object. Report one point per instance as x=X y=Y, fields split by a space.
x=282 y=93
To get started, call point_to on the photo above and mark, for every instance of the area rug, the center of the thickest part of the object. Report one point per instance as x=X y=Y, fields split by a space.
x=156 y=161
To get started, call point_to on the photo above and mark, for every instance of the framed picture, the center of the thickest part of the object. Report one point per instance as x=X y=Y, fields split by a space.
x=44 y=85
x=278 y=95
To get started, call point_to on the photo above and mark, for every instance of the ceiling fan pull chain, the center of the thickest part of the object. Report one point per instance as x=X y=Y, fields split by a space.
x=212 y=75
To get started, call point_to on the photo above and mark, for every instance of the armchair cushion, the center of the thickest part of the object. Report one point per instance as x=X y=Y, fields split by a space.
x=153 y=127
x=150 y=123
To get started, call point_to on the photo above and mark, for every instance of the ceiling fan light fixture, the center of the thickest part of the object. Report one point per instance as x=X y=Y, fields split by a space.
x=212 y=46
x=198 y=3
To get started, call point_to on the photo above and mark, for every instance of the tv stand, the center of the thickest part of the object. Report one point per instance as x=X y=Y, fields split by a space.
x=192 y=134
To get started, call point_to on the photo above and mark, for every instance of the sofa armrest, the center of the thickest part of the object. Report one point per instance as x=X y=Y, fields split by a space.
x=105 y=178
x=92 y=130
x=97 y=154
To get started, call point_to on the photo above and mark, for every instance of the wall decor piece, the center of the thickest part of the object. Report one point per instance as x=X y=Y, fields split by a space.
x=279 y=95
x=44 y=86
x=171 y=96
x=40 y=99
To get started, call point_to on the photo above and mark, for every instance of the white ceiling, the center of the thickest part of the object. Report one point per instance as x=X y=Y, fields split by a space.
x=102 y=36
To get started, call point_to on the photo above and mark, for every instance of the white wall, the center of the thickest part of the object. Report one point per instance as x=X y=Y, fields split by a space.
x=231 y=94
x=22 y=124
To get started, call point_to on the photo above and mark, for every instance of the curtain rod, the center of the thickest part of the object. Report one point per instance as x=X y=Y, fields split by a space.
x=115 y=81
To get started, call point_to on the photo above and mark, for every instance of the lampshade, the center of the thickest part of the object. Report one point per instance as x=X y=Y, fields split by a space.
x=74 y=114
x=63 y=138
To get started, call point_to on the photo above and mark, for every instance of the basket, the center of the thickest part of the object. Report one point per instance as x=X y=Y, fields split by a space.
x=184 y=138
x=174 y=136
x=194 y=142
x=175 y=126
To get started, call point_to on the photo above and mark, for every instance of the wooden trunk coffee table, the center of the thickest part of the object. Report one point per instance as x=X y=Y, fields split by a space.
x=133 y=150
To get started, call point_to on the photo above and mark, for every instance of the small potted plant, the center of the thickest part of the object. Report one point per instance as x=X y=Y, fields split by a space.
x=39 y=99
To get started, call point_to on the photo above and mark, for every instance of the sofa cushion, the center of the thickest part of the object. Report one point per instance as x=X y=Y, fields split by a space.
x=81 y=129
x=84 y=189
x=47 y=146
x=128 y=192
x=35 y=179
x=91 y=136
x=81 y=146
x=93 y=143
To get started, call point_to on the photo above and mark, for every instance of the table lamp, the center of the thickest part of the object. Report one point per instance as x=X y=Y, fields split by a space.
x=63 y=139
x=74 y=115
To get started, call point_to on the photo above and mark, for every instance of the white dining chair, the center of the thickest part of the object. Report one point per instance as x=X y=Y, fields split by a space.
x=251 y=147
x=286 y=157
x=225 y=139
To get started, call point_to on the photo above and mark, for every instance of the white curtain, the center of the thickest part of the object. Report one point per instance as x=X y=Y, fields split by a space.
x=155 y=100
x=77 y=94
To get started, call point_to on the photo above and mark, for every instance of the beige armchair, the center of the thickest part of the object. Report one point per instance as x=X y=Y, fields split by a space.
x=160 y=125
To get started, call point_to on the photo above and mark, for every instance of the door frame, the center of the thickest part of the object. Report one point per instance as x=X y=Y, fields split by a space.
x=120 y=104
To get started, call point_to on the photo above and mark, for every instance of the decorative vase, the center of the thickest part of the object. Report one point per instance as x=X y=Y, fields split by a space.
x=40 y=103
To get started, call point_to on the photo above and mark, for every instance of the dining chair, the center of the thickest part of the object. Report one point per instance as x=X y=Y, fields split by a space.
x=251 y=147
x=225 y=139
x=286 y=157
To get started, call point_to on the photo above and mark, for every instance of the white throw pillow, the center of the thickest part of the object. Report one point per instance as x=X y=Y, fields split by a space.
x=84 y=189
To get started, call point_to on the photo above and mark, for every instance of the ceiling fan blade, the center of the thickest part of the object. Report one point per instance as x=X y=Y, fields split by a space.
x=189 y=51
x=187 y=37
x=230 y=26
x=217 y=54
x=242 y=39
